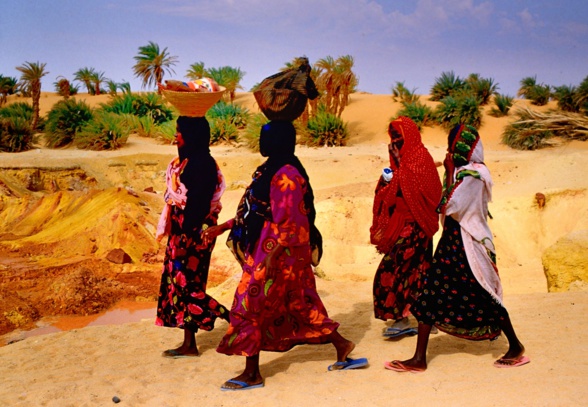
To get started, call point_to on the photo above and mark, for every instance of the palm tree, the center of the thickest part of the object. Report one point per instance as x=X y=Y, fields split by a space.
x=7 y=87
x=152 y=64
x=97 y=79
x=63 y=87
x=228 y=77
x=196 y=71
x=326 y=80
x=86 y=76
x=347 y=81
x=32 y=72
x=527 y=85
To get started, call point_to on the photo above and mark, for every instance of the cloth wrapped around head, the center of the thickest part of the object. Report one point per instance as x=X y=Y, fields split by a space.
x=283 y=96
x=416 y=176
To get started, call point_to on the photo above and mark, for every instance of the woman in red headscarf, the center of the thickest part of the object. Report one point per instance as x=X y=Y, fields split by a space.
x=404 y=222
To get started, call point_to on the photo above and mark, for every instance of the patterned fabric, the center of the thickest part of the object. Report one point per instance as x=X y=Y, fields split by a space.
x=175 y=194
x=467 y=194
x=398 y=278
x=451 y=298
x=182 y=301
x=417 y=178
x=277 y=315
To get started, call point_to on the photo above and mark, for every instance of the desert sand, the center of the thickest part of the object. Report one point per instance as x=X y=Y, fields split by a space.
x=89 y=366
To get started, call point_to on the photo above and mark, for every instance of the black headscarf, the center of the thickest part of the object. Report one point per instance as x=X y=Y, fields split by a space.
x=277 y=141
x=200 y=174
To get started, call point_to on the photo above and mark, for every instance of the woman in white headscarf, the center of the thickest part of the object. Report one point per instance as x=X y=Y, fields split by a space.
x=461 y=293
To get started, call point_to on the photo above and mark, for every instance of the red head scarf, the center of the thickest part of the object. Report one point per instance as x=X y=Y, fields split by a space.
x=417 y=177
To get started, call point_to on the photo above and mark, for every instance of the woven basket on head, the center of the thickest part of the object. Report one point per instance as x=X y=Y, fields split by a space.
x=193 y=104
x=280 y=104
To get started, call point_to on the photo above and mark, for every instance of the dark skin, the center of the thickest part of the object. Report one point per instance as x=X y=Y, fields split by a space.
x=418 y=362
x=252 y=375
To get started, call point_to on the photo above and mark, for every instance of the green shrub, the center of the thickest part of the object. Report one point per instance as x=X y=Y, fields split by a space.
x=23 y=110
x=447 y=112
x=566 y=98
x=418 y=112
x=581 y=97
x=325 y=129
x=146 y=127
x=166 y=132
x=236 y=114
x=149 y=104
x=470 y=112
x=464 y=109
x=532 y=130
x=447 y=84
x=502 y=103
x=65 y=119
x=521 y=136
x=223 y=130
x=251 y=134
x=481 y=88
x=107 y=131
x=400 y=93
x=16 y=134
x=538 y=94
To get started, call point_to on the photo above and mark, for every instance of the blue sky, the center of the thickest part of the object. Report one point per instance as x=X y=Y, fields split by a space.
x=411 y=41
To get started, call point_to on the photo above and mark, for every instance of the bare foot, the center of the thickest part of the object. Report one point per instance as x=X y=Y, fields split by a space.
x=176 y=354
x=182 y=351
x=344 y=348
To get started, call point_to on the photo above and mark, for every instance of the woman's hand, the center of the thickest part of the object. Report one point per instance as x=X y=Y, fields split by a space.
x=272 y=262
x=212 y=232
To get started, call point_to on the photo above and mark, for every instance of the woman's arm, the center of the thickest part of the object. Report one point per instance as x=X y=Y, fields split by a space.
x=212 y=232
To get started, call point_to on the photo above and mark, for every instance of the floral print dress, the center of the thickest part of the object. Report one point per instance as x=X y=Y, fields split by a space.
x=277 y=315
x=397 y=282
x=182 y=301
x=452 y=299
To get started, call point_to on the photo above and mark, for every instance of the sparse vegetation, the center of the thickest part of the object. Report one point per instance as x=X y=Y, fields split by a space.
x=418 y=112
x=533 y=130
x=325 y=129
x=251 y=134
x=401 y=93
x=16 y=132
x=448 y=84
x=502 y=103
x=65 y=119
x=107 y=131
x=538 y=94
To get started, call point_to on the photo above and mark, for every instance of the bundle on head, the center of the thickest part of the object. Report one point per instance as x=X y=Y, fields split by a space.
x=283 y=96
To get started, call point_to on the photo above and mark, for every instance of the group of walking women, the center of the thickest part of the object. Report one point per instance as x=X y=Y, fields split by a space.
x=276 y=305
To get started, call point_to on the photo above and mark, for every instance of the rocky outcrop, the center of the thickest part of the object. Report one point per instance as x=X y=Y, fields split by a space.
x=566 y=263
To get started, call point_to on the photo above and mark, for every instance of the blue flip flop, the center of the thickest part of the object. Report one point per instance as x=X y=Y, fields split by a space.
x=395 y=332
x=349 y=364
x=244 y=385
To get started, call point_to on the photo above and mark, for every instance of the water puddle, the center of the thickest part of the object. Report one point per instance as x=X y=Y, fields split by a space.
x=122 y=313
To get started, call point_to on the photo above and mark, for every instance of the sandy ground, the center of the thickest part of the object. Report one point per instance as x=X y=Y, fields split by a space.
x=91 y=365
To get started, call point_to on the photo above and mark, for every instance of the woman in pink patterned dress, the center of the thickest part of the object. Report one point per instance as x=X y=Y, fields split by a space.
x=194 y=187
x=276 y=305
